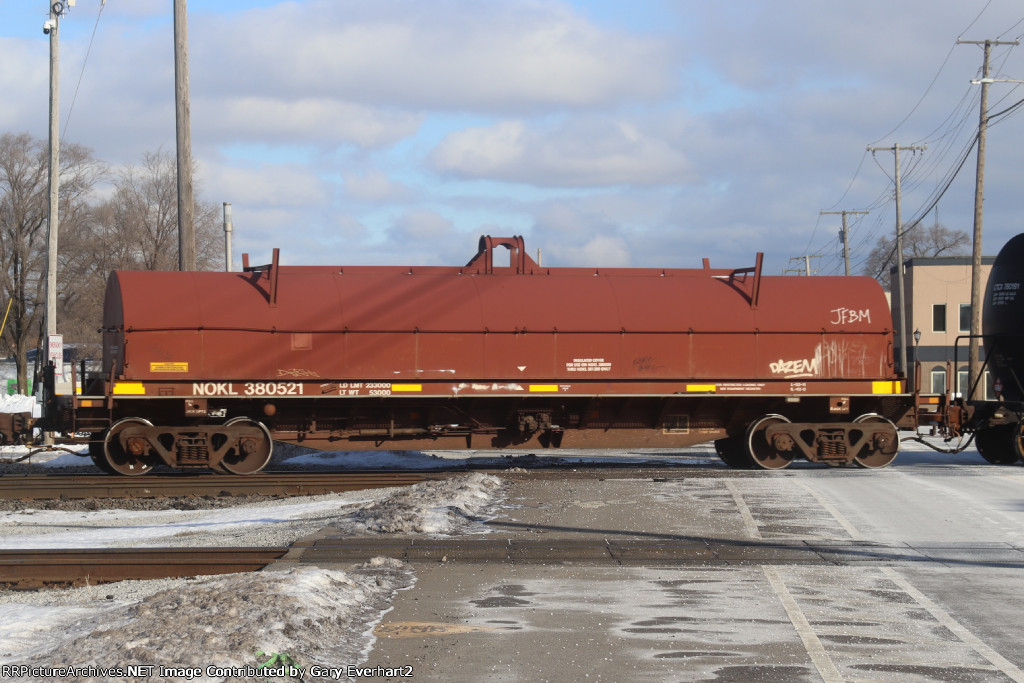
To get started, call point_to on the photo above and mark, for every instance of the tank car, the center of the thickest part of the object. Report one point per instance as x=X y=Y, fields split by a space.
x=207 y=370
x=999 y=423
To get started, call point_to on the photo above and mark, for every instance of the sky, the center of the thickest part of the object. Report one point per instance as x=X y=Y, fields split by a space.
x=643 y=134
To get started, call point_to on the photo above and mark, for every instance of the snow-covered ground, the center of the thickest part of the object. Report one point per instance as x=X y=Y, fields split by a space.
x=210 y=629
x=318 y=617
x=217 y=625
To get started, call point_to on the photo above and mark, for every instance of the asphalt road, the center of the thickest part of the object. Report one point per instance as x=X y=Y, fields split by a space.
x=943 y=603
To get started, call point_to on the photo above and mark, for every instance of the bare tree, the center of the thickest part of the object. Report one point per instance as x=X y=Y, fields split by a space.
x=919 y=242
x=23 y=231
x=142 y=217
x=135 y=229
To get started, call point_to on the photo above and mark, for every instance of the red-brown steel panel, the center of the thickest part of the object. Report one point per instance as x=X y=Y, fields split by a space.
x=567 y=324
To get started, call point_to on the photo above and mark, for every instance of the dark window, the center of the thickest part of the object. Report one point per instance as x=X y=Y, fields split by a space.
x=938 y=317
x=965 y=317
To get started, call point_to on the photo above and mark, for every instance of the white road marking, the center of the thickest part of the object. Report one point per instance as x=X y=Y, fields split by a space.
x=836 y=514
x=815 y=650
x=748 y=519
x=961 y=632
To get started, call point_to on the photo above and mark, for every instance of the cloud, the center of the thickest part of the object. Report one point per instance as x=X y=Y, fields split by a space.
x=449 y=54
x=422 y=225
x=320 y=120
x=605 y=251
x=285 y=186
x=578 y=153
x=24 y=81
x=374 y=186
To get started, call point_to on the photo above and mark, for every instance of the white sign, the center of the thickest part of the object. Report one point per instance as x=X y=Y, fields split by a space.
x=55 y=355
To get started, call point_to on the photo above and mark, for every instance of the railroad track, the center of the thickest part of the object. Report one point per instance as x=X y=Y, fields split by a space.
x=33 y=569
x=80 y=486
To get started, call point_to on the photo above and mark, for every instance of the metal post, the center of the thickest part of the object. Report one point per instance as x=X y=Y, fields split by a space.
x=228 y=228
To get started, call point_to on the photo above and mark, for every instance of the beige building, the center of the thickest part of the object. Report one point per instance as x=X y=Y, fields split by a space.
x=939 y=306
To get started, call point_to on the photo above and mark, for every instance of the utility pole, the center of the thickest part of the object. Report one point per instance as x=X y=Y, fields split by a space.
x=805 y=269
x=973 y=355
x=51 y=27
x=183 y=128
x=228 y=228
x=845 y=235
x=54 y=345
x=902 y=322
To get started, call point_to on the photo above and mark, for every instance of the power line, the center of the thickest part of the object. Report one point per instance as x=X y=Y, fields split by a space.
x=74 y=97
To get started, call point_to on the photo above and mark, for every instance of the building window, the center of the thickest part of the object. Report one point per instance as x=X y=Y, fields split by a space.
x=964 y=387
x=938 y=317
x=965 y=317
x=938 y=381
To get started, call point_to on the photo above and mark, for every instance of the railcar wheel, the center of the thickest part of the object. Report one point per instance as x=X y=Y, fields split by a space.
x=733 y=452
x=1018 y=439
x=251 y=454
x=96 y=454
x=765 y=454
x=883 y=449
x=999 y=445
x=130 y=457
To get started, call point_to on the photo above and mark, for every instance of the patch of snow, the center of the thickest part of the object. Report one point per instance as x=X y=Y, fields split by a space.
x=315 y=616
x=438 y=507
x=214 y=625
x=416 y=510
x=18 y=403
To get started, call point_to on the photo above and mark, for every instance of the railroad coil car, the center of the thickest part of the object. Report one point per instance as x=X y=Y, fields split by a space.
x=207 y=370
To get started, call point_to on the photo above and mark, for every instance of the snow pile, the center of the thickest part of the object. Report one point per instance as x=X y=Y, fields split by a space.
x=267 y=523
x=416 y=509
x=447 y=506
x=316 y=617
x=308 y=616
x=16 y=403
x=47 y=459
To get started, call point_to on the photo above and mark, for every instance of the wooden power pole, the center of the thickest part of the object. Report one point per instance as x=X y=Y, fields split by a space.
x=845 y=235
x=183 y=128
x=973 y=354
x=902 y=322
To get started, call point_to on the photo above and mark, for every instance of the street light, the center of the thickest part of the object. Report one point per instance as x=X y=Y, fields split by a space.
x=917 y=369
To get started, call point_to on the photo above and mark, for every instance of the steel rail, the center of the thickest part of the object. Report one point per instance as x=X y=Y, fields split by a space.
x=26 y=569
x=80 y=486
